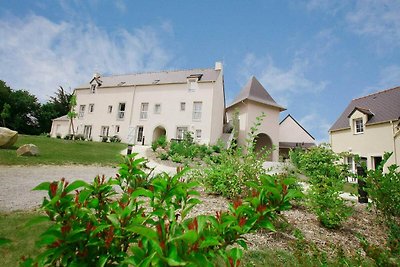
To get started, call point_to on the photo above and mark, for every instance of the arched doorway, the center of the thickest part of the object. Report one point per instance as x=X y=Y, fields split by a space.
x=263 y=143
x=158 y=132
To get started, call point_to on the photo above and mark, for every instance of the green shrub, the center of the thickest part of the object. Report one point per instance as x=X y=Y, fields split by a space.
x=69 y=137
x=146 y=222
x=383 y=189
x=163 y=156
x=162 y=141
x=115 y=139
x=104 y=139
x=79 y=137
x=326 y=180
x=154 y=146
x=177 y=158
x=58 y=136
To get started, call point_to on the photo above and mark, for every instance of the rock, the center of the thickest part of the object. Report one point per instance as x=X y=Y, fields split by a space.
x=7 y=137
x=28 y=150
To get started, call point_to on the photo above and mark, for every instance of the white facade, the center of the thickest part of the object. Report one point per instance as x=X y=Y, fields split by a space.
x=139 y=108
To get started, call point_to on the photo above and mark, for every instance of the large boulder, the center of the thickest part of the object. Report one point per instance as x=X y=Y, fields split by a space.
x=7 y=137
x=28 y=150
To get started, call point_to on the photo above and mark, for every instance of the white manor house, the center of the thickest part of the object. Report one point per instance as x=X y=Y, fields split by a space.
x=141 y=107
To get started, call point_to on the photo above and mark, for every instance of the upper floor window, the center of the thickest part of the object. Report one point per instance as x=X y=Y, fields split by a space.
x=183 y=106
x=121 y=111
x=157 y=108
x=93 y=88
x=358 y=126
x=144 y=108
x=192 y=84
x=91 y=108
x=197 y=106
x=109 y=110
x=81 y=111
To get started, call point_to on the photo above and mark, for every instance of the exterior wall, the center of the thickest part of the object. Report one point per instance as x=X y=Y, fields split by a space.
x=102 y=98
x=269 y=126
x=290 y=131
x=170 y=97
x=218 y=109
x=248 y=112
x=374 y=142
x=59 y=127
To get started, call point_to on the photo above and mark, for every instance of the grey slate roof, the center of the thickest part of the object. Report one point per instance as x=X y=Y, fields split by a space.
x=162 y=77
x=380 y=107
x=253 y=90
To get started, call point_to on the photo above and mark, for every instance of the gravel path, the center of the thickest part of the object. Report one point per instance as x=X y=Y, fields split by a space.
x=17 y=182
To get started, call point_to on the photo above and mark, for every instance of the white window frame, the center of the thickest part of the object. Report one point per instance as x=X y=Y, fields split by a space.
x=91 y=108
x=105 y=130
x=81 y=112
x=144 y=109
x=192 y=84
x=360 y=129
x=198 y=133
x=121 y=113
x=157 y=108
x=197 y=110
x=180 y=132
x=183 y=106
x=109 y=109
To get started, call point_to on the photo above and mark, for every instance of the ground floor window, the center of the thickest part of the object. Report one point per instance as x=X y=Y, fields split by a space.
x=87 y=131
x=104 y=130
x=116 y=128
x=139 y=134
x=198 y=134
x=180 y=132
x=351 y=167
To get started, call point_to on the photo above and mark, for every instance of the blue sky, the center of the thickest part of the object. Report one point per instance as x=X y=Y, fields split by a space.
x=312 y=56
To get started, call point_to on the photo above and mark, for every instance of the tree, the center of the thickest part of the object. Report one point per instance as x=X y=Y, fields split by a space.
x=45 y=116
x=5 y=92
x=5 y=114
x=72 y=114
x=61 y=101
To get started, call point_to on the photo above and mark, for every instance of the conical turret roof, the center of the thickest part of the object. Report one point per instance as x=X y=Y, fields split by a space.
x=254 y=91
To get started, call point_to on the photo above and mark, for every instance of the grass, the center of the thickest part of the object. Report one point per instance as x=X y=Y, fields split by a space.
x=62 y=152
x=12 y=226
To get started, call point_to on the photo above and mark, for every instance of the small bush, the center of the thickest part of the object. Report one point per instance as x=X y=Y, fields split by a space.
x=79 y=137
x=177 y=158
x=104 y=139
x=58 y=136
x=162 y=141
x=163 y=156
x=69 y=137
x=154 y=146
x=115 y=139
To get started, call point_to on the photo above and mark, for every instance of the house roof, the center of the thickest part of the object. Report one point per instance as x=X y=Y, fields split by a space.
x=162 y=77
x=62 y=118
x=253 y=90
x=290 y=116
x=380 y=107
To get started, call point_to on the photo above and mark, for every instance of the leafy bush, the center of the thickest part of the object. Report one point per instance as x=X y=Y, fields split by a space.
x=163 y=156
x=326 y=183
x=79 y=137
x=177 y=158
x=383 y=189
x=154 y=146
x=162 y=141
x=58 y=136
x=104 y=139
x=147 y=223
x=115 y=139
x=69 y=137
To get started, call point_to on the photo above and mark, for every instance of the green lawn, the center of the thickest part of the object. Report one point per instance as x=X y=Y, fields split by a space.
x=23 y=239
x=62 y=152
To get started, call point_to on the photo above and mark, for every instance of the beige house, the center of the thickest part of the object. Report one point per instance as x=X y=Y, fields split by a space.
x=292 y=135
x=369 y=127
x=252 y=101
x=141 y=107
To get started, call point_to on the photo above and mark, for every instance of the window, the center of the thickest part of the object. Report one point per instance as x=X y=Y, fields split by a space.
x=81 y=111
x=139 y=133
x=143 y=111
x=183 y=106
x=91 y=108
x=198 y=134
x=197 y=111
x=192 y=84
x=109 y=109
x=157 y=108
x=180 y=132
x=351 y=168
x=87 y=131
x=358 y=126
x=93 y=88
x=104 y=130
x=121 y=111
x=116 y=128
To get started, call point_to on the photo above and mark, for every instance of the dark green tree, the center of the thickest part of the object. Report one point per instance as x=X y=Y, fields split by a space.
x=5 y=92
x=45 y=116
x=61 y=101
x=5 y=113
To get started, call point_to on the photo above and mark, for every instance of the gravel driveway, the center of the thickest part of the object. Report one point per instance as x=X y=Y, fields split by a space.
x=16 y=182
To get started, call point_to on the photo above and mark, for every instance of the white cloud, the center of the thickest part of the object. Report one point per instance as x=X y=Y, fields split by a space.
x=376 y=19
x=283 y=84
x=39 y=55
x=120 y=5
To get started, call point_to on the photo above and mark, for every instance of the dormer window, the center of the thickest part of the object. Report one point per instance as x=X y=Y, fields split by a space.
x=358 y=126
x=192 y=81
x=93 y=88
